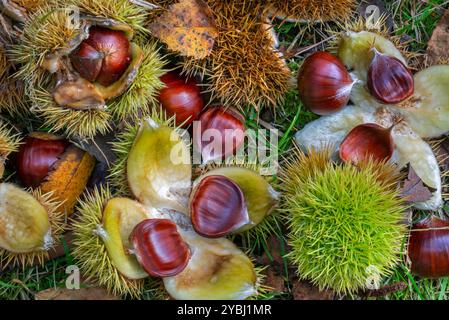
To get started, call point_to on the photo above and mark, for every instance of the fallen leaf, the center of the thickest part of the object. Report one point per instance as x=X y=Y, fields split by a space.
x=438 y=45
x=414 y=189
x=187 y=27
x=304 y=290
x=273 y=280
x=93 y=293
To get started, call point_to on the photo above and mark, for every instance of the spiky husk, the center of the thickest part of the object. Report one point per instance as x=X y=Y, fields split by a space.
x=57 y=225
x=140 y=98
x=123 y=11
x=90 y=251
x=343 y=220
x=31 y=5
x=315 y=10
x=12 y=92
x=243 y=68
x=9 y=140
x=84 y=123
x=46 y=31
x=122 y=146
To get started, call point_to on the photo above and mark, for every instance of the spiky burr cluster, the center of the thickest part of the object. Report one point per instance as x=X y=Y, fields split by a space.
x=244 y=68
x=45 y=45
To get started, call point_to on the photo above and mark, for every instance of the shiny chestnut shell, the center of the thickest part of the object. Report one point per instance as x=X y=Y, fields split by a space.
x=230 y=129
x=324 y=84
x=159 y=247
x=389 y=80
x=366 y=141
x=103 y=57
x=37 y=156
x=181 y=97
x=428 y=248
x=218 y=207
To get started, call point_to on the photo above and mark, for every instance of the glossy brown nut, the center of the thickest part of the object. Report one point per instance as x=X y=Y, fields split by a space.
x=428 y=248
x=230 y=133
x=324 y=84
x=37 y=156
x=181 y=97
x=159 y=247
x=103 y=57
x=217 y=207
x=367 y=141
x=389 y=80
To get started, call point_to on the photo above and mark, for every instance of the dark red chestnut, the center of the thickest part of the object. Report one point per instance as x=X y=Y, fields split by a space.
x=181 y=97
x=228 y=136
x=159 y=247
x=428 y=248
x=389 y=80
x=103 y=57
x=324 y=84
x=37 y=156
x=217 y=207
x=367 y=141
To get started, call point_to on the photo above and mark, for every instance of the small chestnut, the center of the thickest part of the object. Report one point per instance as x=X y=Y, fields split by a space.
x=103 y=57
x=54 y=165
x=366 y=141
x=324 y=84
x=181 y=97
x=37 y=155
x=389 y=80
x=219 y=133
x=218 y=207
x=428 y=248
x=159 y=247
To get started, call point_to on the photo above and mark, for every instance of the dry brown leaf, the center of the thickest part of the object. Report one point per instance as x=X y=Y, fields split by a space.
x=187 y=27
x=414 y=189
x=93 y=293
x=438 y=46
x=273 y=280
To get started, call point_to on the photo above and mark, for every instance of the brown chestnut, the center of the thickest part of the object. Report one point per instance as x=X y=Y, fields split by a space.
x=229 y=132
x=159 y=247
x=428 y=248
x=389 y=80
x=324 y=84
x=181 y=97
x=366 y=141
x=103 y=57
x=55 y=165
x=37 y=155
x=218 y=207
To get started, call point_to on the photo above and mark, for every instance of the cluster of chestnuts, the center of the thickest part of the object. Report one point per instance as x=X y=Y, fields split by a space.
x=393 y=111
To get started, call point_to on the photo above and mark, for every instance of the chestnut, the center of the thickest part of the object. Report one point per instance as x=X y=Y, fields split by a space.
x=428 y=248
x=389 y=80
x=55 y=165
x=324 y=84
x=181 y=97
x=230 y=129
x=217 y=207
x=103 y=57
x=366 y=141
x=159 y=247
x=37 y=155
